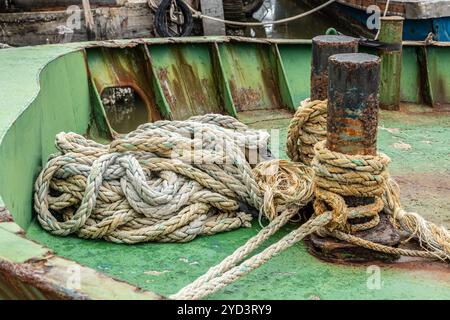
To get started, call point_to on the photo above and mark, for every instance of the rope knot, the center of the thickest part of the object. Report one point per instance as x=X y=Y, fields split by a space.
x=284 y=184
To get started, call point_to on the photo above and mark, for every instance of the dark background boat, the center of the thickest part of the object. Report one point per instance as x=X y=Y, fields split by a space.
x=422 y=17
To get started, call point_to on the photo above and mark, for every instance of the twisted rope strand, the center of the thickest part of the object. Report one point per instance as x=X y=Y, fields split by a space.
x=307 y=127
x=205 y=288
x=161 y=182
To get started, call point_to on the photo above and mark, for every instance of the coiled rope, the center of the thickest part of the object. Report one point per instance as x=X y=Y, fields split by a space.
x=362 y=176
x=165 y=181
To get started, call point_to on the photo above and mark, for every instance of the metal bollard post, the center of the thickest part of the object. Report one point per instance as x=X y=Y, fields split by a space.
x=322 y=48
x=352 y=120
x=353 y=106
x=391 y=33
x=353 y=103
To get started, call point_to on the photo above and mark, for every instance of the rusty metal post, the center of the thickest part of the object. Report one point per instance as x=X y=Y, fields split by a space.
x=391 y=34
x=352 y=121
x=322 y=48
x=353 y=91
x=354 y=81
x=353 y=103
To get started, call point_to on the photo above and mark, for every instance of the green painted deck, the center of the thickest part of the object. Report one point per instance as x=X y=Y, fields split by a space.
x=46 y=89
x=416 y=140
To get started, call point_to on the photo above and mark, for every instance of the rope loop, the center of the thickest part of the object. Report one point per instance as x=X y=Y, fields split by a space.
x=326 y=201
x=307 y=127
x=283 y=182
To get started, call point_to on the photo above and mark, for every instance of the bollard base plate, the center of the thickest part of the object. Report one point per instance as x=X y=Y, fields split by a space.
x=334 y=250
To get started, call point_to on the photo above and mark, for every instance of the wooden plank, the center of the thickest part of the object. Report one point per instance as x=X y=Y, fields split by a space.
x=133 y=20
x=213 y=8
x=89 y=20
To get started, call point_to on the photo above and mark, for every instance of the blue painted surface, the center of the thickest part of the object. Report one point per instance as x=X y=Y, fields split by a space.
x=412 y=29
x=442 y=28
x=417 y=29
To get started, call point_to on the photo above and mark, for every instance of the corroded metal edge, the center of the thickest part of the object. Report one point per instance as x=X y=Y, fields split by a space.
x=47 y=276
x=5 y=216
x=27 y=281
x=225 y=39
x=337 y=251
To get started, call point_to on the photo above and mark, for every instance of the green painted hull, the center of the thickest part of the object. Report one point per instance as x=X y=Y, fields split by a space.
x=48 y=89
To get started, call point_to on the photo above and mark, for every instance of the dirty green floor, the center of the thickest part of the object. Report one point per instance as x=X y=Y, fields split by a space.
x=418 y=141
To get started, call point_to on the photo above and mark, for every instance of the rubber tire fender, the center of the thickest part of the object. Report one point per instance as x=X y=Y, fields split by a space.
x=160 y=15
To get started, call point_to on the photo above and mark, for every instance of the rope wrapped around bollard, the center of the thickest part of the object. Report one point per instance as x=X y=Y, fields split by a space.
x=338 y=175
x=334 y=176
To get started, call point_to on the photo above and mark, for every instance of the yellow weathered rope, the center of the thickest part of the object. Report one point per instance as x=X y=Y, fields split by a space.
x=363 y=176
x=307 y=127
